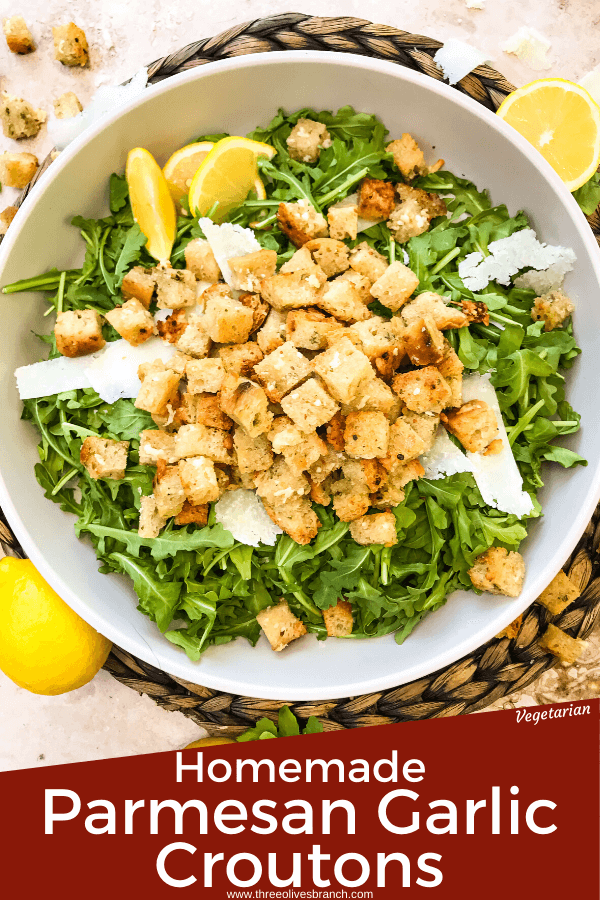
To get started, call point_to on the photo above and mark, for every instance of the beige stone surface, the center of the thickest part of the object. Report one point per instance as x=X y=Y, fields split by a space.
x=105 y=719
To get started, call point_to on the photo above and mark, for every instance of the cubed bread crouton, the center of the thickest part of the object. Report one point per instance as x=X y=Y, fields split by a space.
x=330 y=255
x=151 y=522
x=6 y=217
x=178 y=362
x=425 y=425
x=248 y=271
x=168 y=490
x=376 y=396
x=409 y=158
x=158 y=388
x=348 y=503
x=200 y=260
x=67 y=105
x=343 y=222
x=340 y=298
x=423 y=342
x=499 y=571
x=240 y=359
x=338 y=619
x=300 y=451
x=284 y=433
x=379 y=528
x=559 y=594
x=296 y=517
x=139 y=283
x=282 y=370
x=395 y=286
x=302 y=263
x=366 y=435
x=363 y=474
x=433 y=305
x=132 y=321
x=376 y=198
x=423 y=390
x=360 y=282
x=194 y=339
x=175 y=288
x=552 y=309
x=321 y=493
x=312 y=329
x=18 y=36
x=475 y=311
x=227 y=321
x=344 y=369
x=309 y=405
x=474 y=424
x=301 y=222
x=19 y=118
x=404 y=444
x=280 y=626
x=104 y=458
x=78 y=332
x=192 y=515
x=201 y=440
x=155 y=445
x=306 y=139
x=246 y=403
x=368 y=262
x=413 y=215
x=290 y=290
x=391 y=492
x=259 y=308
x=17 y=169
x=280 y=483
x=70 y=45
x=451 y=368
x=205 y=409
x=377 y=336
x=204 y=376
x=562 y=645
x=199 y=480
x=272 y=334
x=325 y=466
x=253 y=454
x=334 y=432
x=172 y=328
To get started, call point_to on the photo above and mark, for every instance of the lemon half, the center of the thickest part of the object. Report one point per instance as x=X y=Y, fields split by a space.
x=227 y=175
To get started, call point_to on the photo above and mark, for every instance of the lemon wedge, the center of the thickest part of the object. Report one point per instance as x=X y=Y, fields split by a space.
x=151 y=202
x=227 y=175
x=180 y=168
x=562 y=120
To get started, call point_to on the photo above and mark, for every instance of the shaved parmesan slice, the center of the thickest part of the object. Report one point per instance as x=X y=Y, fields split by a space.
x=113 y=373
x=352 y=200
x=475 y=4
x=457 y=59
x=530 y=47
x=591 y=82
x=510 y=254
x=444 y=458
x=542 y=282
x=227 y=241
x=53 y=376
x=242 y=513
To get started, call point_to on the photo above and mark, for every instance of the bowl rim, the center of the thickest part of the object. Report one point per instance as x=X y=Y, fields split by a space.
x=233 y=685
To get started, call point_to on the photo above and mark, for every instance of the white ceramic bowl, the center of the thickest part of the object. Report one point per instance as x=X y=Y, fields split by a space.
x=235 y=96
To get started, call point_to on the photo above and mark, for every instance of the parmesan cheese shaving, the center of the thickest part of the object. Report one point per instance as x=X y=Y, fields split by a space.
x=242 y=513
x=530 y=47
x=457 y=59
x=227 y=241
x=444 y=458
x=510 y=254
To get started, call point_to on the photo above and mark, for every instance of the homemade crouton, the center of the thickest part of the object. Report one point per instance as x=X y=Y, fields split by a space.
x=246 y=403
x=334 y=432
x=348 y=503
x=175 y=288
x=559 y=594
x=376 y=396
x=17 y=169
x=139 y=283
x=240 y=359
x=272 y=334
x=330 y=255
x=253 y=454
x=395 y=286
x=205 y=409
x=377 y=336
x=367 y=261
x=360 y=282
x=193 y=339
x=296 y=517
x=423 y=390
x=450 y=365
x=155 y=445
x=158 y=388
x=282 y=370
x=363 y=474
x=366 y=435
x=562 y=645
x=404 y=444
x=201 y=440
x=379 y=528
x=280 y=626
x=423 y=342
x=338 y=619
x=376 y=199
x=168 y=490
x=430 y=304
x=227 y=321
x=248 y=271
x=325 y=466
x=67 y=105
x=300 y=451
x=343 y=222
x=151 y=522
x=306 y=139
x=192 y=515
x=312 y=329
x=499 y=571
x=301 y=222
x=6 y=217
x=302 y=263
x=409 y=158
x=171 y=328
x=340 y=298
x=132 y=321
x=70 y=45
x=413 y=215
x=344 y=369
x=280 y=483
x=204 y=376
x=200 y=260
x=425 y=425
x=552 y=308
x=391 y=492
x=78 y=332
x=19 y=118
x=199 y=480
x=258 y=307
x=475 y=311
x=309 y=405
x=104 y=458
x=474 y=424
x=18 y=36
x=289 y=290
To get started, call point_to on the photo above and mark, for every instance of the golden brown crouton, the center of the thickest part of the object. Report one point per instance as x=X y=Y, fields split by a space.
x=168 y=490
x=139 y=283
x=18 y=36
x=248 y=271
x=391 y=491
x=302 y=263
x=306 y=139
x=253 y=454
x=309 y=405
x=199 y=480
x=423 y=342
x=340 y=298
x=364 y=474
x=151 y=522
x=272 y=334
x=312 y=329
x=475 y=311
x=425 y=425
x=474 y=424
x=19 y=118
x=367 y=261
x=200 y=260
x=6 y=217
x=423 y=390
x=301 y=222
x=280 y=626
x=296 y=517
x=499 y=571
x=282 y=370
x=289 y=290
x=193 y=339
x=246 y=403
x=348 y=503
x=190 y=514
x=330 y=255
x=344 y=369
x=173 y=327
x=395 y=286
x=376 y=199
x=360 y=282
x=334 y=432
x=240 y=359
x=227 y=321
x=158 y=388
x=70 y=45
x=204 y=376
x=155 y=445
x=379 y=528
x=201 y=440
x=413 y=215
x=300 y=451
x=430 y=304
x=562 y=645
x=17 y=169
x=78 y=332
x=366 y=435
x=409 y=158
x=67 y=105
x=553 y=309
x=512 y=629
x=559 y=594
x=205 y=409
x=338 y=619
x=132 y=321
x=377 y=336
x=404 y=444
x=175 y=288
x=259 y=308
x=104 y=458
x=376 y=396
x=343 y=222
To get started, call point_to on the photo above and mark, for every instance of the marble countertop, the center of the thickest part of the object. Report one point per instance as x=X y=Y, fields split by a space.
x=105 y=718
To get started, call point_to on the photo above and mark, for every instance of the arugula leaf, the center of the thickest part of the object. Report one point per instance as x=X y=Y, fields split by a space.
x=130 y=253
x=287 y=726
x=157 y=599
x=119 y=192
x=123 y=419
x=588 y=195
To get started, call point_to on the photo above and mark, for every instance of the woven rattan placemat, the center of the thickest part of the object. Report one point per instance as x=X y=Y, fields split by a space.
x=499 y=667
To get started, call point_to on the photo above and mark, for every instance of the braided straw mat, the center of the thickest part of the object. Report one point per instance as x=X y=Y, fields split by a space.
x=501 y=666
